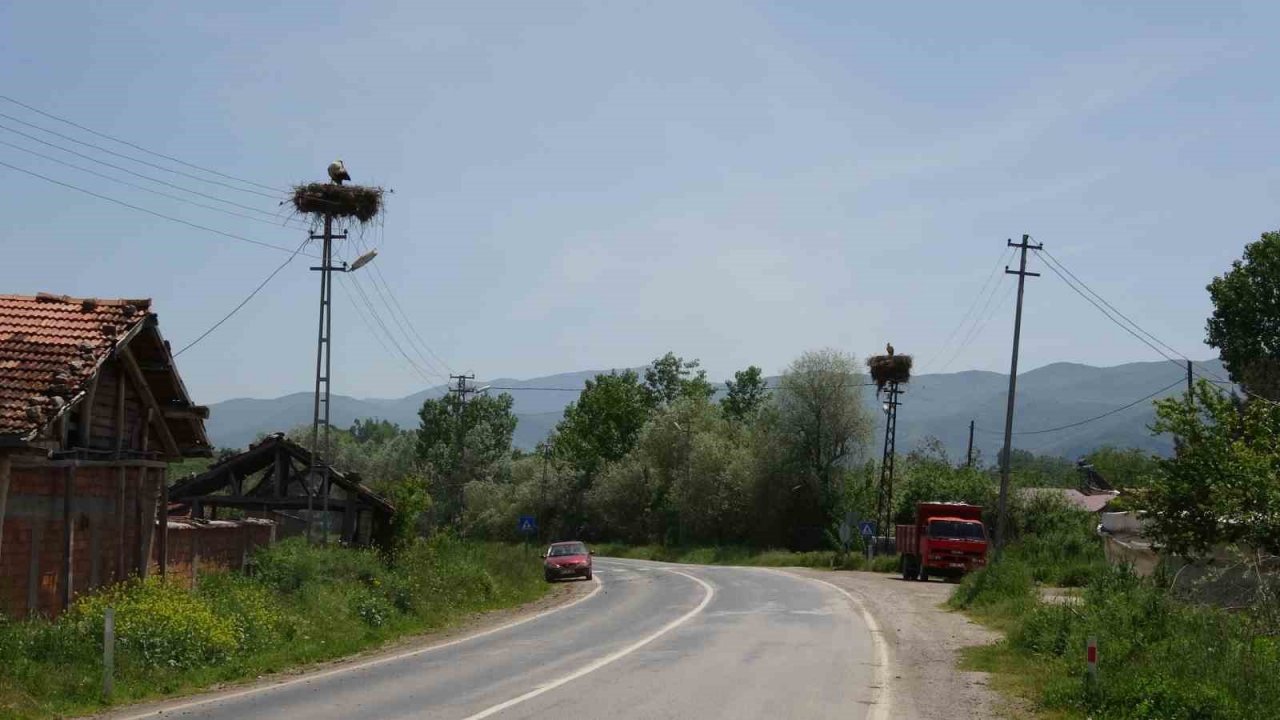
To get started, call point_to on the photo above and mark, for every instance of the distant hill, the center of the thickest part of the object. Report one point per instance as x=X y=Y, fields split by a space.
x=938 y=405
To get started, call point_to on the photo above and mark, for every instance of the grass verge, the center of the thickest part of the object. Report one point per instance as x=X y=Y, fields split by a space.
x=738 y=555
x=302 y=605
x=1158 y=658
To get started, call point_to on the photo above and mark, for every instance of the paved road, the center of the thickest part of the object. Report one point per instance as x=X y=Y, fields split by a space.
x=651 y=641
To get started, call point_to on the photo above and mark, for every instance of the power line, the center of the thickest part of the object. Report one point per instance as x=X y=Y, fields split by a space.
x=413 y=329
x=368 y=325
x=355 y=282
x=1109 y=413
x=153 y=191
x=134 y=146
x=1000 y=260
x=170 y=218
x=245 y=301
x=274 y=196
x=980 y=322
x=124 y=170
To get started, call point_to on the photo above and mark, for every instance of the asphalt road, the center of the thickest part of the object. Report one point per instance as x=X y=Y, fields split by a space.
x=650 y=641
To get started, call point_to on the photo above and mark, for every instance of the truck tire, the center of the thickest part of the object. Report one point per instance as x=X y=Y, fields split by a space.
x=910 y=567
x=924 y=574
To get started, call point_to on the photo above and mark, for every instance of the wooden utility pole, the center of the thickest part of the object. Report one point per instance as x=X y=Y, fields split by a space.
x=1021 y=272
x=968 y=456
x=462 y=390
x=320 y=415
x=1190 y=382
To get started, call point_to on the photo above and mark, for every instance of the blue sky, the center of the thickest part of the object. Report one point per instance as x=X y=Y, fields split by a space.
x=588 y=185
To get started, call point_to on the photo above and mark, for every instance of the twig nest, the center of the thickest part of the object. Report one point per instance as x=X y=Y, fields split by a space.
x=887 y=369
x=340 y=201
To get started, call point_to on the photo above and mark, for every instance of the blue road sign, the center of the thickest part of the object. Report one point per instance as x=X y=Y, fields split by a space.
x=527 y=524
x=867 y=528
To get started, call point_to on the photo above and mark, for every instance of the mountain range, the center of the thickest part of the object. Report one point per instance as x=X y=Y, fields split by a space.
x=939 y=405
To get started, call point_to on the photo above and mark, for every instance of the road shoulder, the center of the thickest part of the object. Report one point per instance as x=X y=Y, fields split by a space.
x=924 y=641
x=559 y=596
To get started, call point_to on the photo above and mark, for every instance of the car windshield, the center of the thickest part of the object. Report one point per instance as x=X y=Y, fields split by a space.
x=956 y=530
x=569 y=549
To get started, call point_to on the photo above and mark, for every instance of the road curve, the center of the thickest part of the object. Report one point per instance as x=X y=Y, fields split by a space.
x=655 y=641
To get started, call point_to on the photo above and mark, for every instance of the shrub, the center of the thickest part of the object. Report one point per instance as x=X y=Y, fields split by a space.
x=1007 y=583
x=158 y=624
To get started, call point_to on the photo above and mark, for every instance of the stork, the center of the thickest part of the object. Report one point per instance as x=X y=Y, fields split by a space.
x=338 y=172
x=888 y=348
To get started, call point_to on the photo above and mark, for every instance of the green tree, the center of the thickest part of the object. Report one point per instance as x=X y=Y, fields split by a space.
x=747 y=391
x=1222 y=484
x=373 y=430
x=461 y=442
x=1123 y=467
x=670 y=378
x=1245 y=325
x=602 y=425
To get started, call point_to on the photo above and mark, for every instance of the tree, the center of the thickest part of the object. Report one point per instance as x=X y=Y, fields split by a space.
x=1222 y=485
x=373 y=430
x=1245 y=325
x=822 y=427
x=461 y=442
x=1123 y=467
x=602 y=425
x=670 y=378
x=747 y=391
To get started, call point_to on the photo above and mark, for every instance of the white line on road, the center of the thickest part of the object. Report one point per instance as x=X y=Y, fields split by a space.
x=884 y=702
x=706 y=599
x=360 y=666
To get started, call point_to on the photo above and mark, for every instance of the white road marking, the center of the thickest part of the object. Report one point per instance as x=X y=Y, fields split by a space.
x=880 y=709
x=706 y=599
x=367 y=664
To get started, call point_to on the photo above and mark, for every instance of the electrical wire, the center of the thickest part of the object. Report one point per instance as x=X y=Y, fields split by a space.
x=1109 y=413
x=134 y=146
x=124 y=170
x=355 y=282
x=153 y=191
x=413 y=329
x=1000 y=260
x=170 y=218
x=245 y=301
x=980 y=322
x=273 y=196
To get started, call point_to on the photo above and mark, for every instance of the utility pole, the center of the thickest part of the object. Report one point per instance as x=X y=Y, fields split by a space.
x=1022 y=274
x=320 y=415
x=968 y=456
x=1190 y=382
x=462 y=390
x=884 y=496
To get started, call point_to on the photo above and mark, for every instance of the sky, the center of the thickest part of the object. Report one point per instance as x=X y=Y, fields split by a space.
x=589 y=185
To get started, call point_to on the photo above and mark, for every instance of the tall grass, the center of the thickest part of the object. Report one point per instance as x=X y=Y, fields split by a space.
x=304 y=604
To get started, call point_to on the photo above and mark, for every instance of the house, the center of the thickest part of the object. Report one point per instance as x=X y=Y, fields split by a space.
x=1093 y=501
x=92 y=411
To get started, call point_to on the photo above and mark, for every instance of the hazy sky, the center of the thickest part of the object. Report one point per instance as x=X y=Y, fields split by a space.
x=589 y=185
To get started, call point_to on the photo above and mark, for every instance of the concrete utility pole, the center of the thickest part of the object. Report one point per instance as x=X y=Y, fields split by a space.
x=1021 y=272
x=1190 y=383
x=320 y=415
x=462 y=390
x=968 y=456
x=884 y=496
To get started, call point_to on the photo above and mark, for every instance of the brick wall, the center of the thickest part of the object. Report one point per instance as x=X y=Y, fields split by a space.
x=201 y=546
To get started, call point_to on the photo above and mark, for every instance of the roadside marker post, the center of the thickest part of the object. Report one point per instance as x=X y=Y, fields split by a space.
x=108 y=653
x=1091 y=658
x=867 y=528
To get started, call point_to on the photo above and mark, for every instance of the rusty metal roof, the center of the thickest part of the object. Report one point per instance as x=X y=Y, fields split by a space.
x=50 y=347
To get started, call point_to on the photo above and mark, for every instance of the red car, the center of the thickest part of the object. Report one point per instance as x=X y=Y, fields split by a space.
x=566 y=559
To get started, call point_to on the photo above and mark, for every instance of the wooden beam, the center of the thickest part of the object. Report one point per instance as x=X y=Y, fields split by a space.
x=86 y=413
x=120 y=516
x=164 y=525
x=144 y=391
x=260 y=503
x=5 y=468
x=194 y=412
x=122 y=389
x=68 y=528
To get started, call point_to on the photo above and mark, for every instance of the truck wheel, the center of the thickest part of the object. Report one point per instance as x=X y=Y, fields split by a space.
x=924 y=574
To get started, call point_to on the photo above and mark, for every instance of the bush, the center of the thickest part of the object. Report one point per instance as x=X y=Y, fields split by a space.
x=1005 y=584
x=158 y=625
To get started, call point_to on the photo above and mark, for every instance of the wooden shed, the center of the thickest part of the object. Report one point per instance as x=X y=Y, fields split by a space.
x=92 y=411
x=274 y=480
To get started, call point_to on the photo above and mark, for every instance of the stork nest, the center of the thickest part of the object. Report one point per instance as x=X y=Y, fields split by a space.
x=340 y=201
x=887 y=369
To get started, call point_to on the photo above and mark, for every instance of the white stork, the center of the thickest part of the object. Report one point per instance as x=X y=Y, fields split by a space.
x=338 y=172
x=888 y=348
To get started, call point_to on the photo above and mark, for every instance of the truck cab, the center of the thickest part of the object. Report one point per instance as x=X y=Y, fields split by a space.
x=947 y=540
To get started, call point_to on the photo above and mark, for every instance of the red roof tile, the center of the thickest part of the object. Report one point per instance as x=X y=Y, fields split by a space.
x=50 y=346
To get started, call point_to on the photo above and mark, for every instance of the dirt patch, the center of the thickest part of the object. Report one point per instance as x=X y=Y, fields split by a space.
x=924 y=640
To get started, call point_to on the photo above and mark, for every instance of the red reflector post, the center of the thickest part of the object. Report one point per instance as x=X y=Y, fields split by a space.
x=1091 y=657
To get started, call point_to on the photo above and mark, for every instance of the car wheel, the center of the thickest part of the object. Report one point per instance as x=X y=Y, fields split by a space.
x=548 y=577
x=587 y=577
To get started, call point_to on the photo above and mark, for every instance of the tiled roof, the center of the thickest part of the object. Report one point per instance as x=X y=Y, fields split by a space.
x=50 y=346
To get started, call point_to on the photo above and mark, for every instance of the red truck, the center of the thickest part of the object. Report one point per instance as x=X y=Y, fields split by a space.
x=947 y=539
